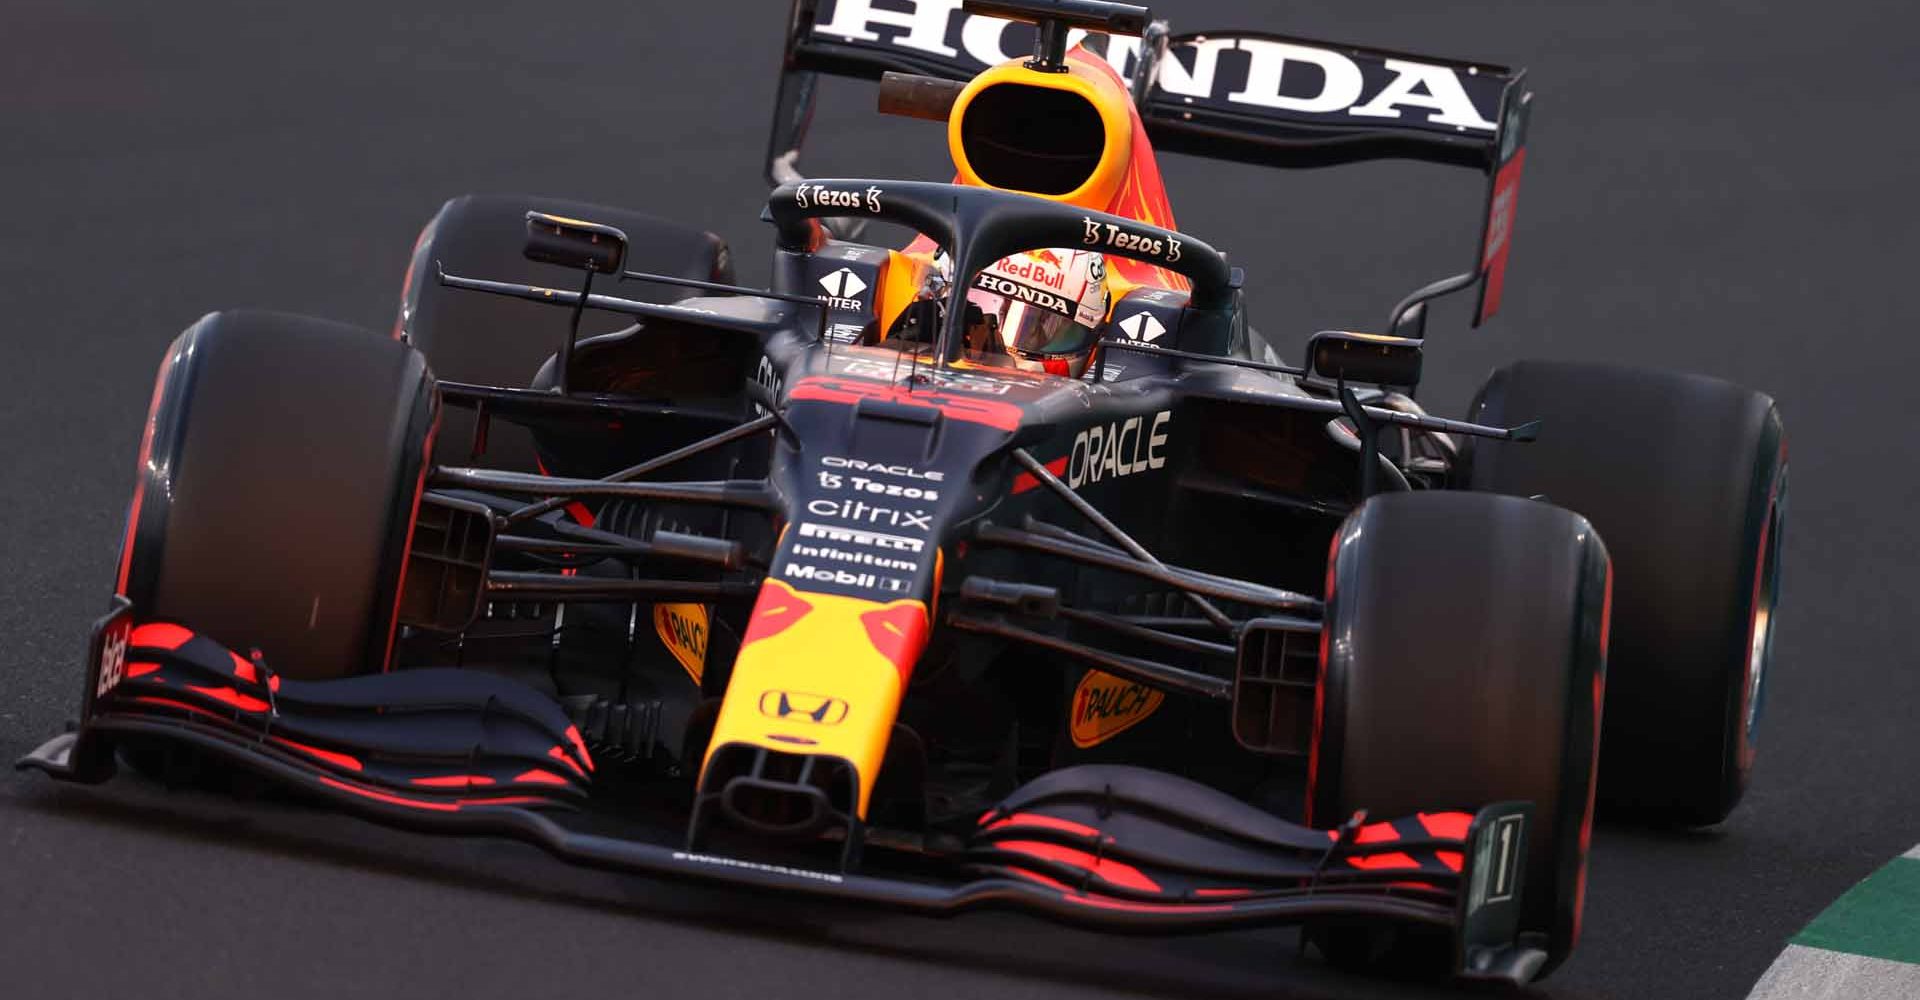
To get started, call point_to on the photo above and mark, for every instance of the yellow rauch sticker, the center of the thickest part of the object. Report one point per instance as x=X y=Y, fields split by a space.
x=1104 y=706
x=683 y=630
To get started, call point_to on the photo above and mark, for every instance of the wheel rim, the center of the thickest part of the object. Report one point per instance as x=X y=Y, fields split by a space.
x=1760 y=628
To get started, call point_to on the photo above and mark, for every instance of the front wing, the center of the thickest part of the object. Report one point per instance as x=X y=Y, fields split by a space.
x=1115 y=848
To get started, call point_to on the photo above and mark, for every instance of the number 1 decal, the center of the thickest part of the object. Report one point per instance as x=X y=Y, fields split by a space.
x=1506 y=867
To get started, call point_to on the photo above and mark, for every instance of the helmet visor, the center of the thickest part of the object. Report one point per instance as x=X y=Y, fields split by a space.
x=1031 y=328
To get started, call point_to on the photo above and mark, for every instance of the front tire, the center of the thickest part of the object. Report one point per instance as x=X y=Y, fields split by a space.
x=283 y=466
x=1462 y=663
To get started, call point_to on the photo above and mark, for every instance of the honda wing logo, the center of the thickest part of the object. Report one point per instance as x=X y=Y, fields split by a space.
x=797 y=706
x=1251 y=73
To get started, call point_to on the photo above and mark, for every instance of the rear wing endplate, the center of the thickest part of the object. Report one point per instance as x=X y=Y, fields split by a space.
x=1253 y=97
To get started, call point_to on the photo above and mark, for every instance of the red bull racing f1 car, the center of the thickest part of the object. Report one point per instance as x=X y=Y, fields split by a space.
x=1009 y=567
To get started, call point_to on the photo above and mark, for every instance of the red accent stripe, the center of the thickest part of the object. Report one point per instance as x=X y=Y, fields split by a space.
x=160 y=635
x=559 y=753
x=539 y=777
x=899 y=633
x=1106 y=868
x=140 y=668
x=454 y=781
x=1114 y=904
x=1320 y=682
x=774 y=611
x=1042 y=879
x=1446 y=826
x=333 y=757
x=140 y=474
x=397 y=800
x=1593 y=773
x=1051 y=822
x=243 y=668
x=1499 y=242
x=1452 y=859
x=1222 y=893
x=968 y=409
x=406 y=547
x=231 y=697
x=1377 y=833
x=1105 y=903
x=1026 y=481
x=573 y=736
x=1384 y=862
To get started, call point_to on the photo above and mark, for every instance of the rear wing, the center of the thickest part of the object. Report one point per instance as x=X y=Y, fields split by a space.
x=1253 y=97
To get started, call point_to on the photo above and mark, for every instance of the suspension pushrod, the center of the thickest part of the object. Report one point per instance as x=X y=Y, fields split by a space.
x=749 y=493
x=522 y=586
x=1039 y=471
x=1148 y=672
x=756 y=425
x=1179 y=579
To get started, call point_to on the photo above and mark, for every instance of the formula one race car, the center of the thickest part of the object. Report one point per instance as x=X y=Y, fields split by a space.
x=1009 y=567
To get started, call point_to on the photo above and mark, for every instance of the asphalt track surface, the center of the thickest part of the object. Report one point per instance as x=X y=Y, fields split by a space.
x=1711 y=188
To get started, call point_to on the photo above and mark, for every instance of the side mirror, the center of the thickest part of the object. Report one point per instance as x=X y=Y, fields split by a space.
x=554 y=239
x=1341 y=356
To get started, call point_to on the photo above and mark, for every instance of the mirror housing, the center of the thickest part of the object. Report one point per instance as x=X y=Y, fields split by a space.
x=555 y=239
x=1342 y=356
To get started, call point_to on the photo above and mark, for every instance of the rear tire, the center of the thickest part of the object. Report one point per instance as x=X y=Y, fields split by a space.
x=284 y=465
x=1461 y=665
x=474 y=337
x=1686 y=477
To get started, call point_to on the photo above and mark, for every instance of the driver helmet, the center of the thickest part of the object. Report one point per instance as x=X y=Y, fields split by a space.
x=1040 y=309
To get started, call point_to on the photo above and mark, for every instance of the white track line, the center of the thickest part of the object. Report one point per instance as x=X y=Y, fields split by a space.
x=1802 y=973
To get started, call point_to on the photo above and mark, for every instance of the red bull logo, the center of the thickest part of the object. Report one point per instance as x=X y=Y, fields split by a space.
x=1035 y=269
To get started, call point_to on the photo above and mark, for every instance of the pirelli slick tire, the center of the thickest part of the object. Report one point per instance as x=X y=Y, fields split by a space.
x=1462 y=663
x=281 y=469
x=1686 y=477
x=474 y=337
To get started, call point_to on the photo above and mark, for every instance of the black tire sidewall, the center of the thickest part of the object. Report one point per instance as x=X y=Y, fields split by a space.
x=1682 y=475
x=280 y=442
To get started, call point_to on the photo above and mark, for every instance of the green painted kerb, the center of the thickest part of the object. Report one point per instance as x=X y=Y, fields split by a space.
x=1879 y=918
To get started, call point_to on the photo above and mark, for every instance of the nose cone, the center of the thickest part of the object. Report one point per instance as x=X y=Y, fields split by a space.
x=819 y=675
